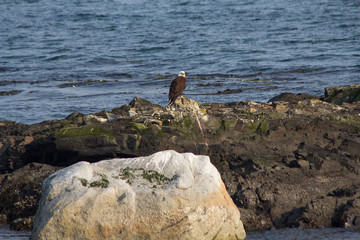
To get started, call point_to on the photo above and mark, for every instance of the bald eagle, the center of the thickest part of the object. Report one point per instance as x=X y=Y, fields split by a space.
x=177 y=87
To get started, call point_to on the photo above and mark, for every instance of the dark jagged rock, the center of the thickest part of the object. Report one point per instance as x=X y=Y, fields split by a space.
x=9 y=93
x=339 y=95
x=22 y=224
x=285 y=164
x=20 y=192
x=290 y=97
x=3 y=219
x=353 y=223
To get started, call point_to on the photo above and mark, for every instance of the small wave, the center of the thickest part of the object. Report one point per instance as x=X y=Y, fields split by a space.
x=185 y=3
x=60 y=50
x=58 y=57
x=76 y=97
x=117 y=75
x=6 y=233
x=299 y=70
x=103 y=60
x=84 y=83
x=8 y=69
x=151 y=49
x=95 y=95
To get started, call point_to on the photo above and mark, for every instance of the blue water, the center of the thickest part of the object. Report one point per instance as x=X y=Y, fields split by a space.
x=305 y=234
x=92 y=55
x=6 y=233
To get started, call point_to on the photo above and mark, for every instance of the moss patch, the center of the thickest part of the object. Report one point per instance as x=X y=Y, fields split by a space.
x=185 y=126
x=127 y=174
x=251 y=138
x=261 y=128
x=155 y=179
x=103 y=182
x=73 y=132
x=84 y=182
x=264 y=160
x=224 y=124
x=140 y=127
x=340 y=95
x=160 y=133
x=347 y=119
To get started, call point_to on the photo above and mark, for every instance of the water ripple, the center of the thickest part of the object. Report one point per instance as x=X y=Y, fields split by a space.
x=49 y=43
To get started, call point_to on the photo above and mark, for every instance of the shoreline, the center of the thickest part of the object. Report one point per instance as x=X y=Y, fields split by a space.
x=44 y=105
x=281 y=161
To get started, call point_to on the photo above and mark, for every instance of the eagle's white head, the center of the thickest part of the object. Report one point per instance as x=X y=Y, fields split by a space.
x=182 y=74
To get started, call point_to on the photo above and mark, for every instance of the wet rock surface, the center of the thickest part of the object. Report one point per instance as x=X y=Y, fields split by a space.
x=9 y=93
x=285 y=164
x=338 y=95
x=20 y=193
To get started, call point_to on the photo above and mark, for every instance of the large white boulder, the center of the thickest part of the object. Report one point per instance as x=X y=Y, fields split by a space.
x=167 y=195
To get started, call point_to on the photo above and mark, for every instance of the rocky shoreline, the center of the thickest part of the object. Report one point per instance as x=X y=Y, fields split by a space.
x=291 y=162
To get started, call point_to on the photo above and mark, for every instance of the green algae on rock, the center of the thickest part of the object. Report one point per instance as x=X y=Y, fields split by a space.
x=154 y=178
x=338 y=95
x=73 y=132
x=140 y=127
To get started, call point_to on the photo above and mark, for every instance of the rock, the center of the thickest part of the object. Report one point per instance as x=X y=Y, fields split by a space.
x=338 y=95
x=22 y=224
x=291 y=97
x=144 y=107
x=228 y=91
x=20 y=193
x=348 y=212
x=324 y=208
x=307 y=149
x=353 y=224
x=163 y=196
x=3 y=219
x=91 y=118
x=299 y=164
x=9 y=93
x=185 y=106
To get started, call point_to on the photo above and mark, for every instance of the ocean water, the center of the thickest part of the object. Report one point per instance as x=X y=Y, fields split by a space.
x=59 y=57
x=305 y=234
x=6 y=233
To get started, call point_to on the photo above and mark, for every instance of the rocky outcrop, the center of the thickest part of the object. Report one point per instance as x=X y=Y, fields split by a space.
x=285 y=164
x=20 y=193
x=164 y=196
x=339 y=95
x=290 y=97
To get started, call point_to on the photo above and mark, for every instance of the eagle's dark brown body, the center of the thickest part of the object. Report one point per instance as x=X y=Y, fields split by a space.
x=177 y=87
